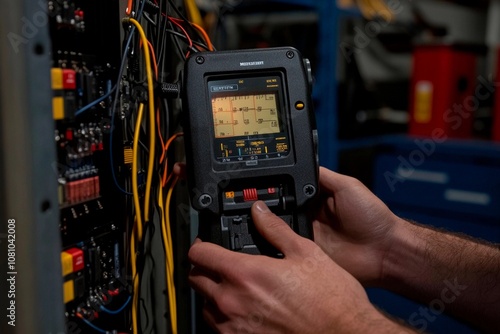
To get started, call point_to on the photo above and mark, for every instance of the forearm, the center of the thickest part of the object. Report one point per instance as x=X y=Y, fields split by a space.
x=445 y=271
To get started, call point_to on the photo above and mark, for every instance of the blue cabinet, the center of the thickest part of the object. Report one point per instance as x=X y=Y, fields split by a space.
x=325 y=85
x=454 y=185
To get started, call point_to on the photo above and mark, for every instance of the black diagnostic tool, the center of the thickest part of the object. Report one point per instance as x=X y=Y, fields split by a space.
x=250 y=135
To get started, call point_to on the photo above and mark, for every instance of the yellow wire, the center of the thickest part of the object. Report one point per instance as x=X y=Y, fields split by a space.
x=193 y=12
x=152 y=124
x=170 y=260
x=138 y=217
x=135 y=161
x=169 y=265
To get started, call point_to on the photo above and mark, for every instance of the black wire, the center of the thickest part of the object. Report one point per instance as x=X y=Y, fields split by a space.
x=163 y=28
x=152 y=35
x=178 y=34
x=176 y=42
x=159 y=34
x=149 y=19
x=167 y=118
x=179 y=13
x=194 y=31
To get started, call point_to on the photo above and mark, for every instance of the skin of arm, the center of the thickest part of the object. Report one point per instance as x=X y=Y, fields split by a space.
x=357 y=230
x=305 y=292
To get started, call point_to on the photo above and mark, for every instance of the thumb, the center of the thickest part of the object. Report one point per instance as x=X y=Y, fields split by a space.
x=274 y=229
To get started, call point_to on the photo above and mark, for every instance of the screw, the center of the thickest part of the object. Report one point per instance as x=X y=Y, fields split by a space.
x=205 y=200
x=309 y=190
x=290 y=54
x=200 y=60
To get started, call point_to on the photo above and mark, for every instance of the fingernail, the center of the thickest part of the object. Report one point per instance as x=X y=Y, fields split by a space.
x=262 y=207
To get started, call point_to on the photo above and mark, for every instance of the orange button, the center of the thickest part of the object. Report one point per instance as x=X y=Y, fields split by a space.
x=299 y=105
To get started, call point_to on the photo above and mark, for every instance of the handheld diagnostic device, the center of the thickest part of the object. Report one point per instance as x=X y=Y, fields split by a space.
x=250 y=135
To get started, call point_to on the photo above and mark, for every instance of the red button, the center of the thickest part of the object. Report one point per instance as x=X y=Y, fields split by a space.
x=250 y=194
x=78 y=259
x=69 y=79
x=271 y=190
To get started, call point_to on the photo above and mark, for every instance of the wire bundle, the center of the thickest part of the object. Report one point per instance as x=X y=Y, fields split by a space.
x=157 y=35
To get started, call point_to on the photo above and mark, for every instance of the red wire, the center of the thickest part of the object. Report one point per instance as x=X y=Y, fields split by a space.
x=177 y=23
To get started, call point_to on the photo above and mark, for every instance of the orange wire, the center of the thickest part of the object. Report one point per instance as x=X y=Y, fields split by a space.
x=169 y=177
x=205 y=35
x=153 y=55
x=176 y=22
x=167 y=145
x=128 y=11
x=169 y=141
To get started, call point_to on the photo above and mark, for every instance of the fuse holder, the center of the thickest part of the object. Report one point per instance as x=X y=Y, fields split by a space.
x=68 y=79
x=77 y=258
x=68 y=291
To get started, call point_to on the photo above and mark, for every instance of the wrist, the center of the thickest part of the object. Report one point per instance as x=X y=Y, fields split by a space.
x=402 y=252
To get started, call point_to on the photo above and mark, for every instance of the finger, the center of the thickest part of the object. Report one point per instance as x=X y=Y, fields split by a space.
x=331 y=182
x=180 y=170
x=212 y=258
x=274 y=229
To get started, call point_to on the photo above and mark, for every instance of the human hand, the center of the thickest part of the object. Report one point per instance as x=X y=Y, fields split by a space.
x=353 y=226
x=305 y=292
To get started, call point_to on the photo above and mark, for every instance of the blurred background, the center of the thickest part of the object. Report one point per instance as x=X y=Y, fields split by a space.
x=406 y=100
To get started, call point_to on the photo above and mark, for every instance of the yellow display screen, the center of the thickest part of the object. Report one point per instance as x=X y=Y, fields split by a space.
x=245 y=115
x=249 y=118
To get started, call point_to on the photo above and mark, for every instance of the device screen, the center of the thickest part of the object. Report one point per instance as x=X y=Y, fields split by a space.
x=248 y=118
x=245 y=115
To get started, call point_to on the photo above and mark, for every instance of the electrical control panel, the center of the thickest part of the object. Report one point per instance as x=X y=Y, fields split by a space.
x=96 y=290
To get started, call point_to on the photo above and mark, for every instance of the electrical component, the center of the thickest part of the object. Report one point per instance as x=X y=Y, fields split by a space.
x=67 y=15
x=73 y=264
x=63 y=86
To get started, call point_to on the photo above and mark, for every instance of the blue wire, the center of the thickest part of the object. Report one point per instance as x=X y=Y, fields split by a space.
x=122 y=67
x=108 y=94
x=116 y=311
x=96 y=102
x=100 y=330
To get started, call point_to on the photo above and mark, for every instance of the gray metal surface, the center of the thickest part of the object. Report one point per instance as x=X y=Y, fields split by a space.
x=28 y=176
